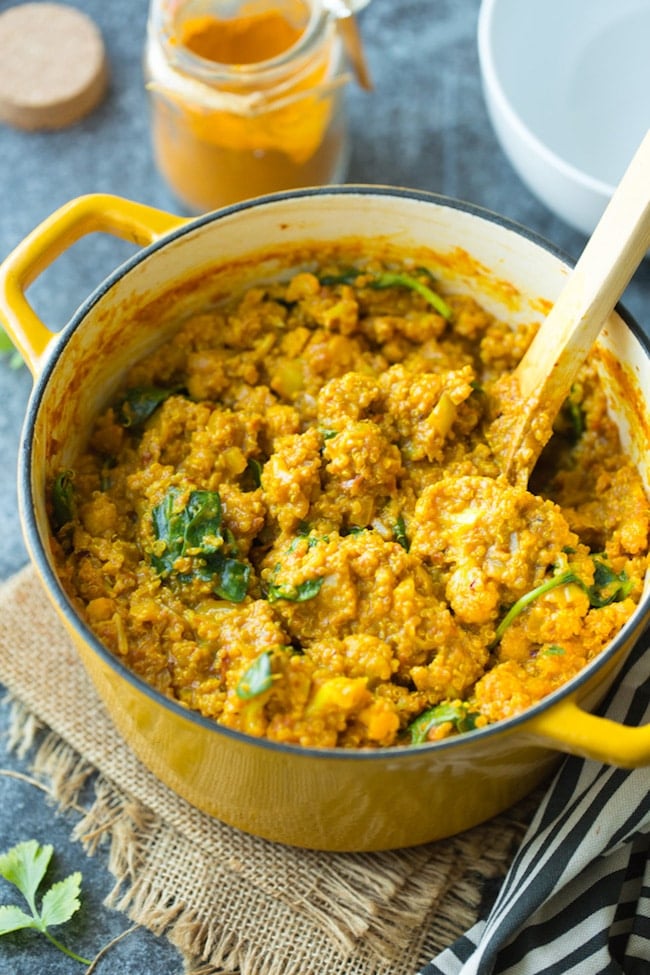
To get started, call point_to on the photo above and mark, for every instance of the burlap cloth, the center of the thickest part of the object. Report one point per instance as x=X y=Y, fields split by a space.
x=230 y=902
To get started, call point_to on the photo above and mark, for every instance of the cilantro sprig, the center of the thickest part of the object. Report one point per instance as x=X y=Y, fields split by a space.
x=24 y=866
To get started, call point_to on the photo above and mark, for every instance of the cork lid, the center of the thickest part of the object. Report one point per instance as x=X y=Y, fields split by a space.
x=53 y=67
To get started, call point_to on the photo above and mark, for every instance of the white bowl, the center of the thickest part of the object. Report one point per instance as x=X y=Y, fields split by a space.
x=567 y=88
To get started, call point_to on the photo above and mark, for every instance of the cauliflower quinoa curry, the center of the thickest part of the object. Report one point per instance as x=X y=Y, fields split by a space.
x=290 y=519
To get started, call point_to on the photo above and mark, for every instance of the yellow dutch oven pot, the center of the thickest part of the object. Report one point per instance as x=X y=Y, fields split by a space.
x=319 y=798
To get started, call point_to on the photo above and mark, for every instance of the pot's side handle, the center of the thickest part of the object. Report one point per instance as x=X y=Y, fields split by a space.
x=97 y=212
x=570 y=729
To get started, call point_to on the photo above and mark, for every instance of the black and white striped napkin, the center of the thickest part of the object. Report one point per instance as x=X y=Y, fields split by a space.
x=576 y=900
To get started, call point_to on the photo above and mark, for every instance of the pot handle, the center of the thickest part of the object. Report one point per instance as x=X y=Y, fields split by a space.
x=570 y=729
x=96 y=212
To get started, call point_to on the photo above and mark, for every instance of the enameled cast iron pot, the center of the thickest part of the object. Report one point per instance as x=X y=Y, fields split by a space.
x=325 y=799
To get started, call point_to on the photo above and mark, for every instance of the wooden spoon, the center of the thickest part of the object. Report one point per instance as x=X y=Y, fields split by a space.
x=530 y=398
x=343 y=11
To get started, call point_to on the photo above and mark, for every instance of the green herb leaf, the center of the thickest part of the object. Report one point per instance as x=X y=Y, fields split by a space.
x=62 y=500
x=347 y=276
x=257 y=679
x=139 y=403
x=563 y=579
x=13 y=919
x=196 y=527
x=554 y=651
x=389 y=279
x=24 y=866
x=608 y=587
x=253 y=474
x=233 y=580
x=295 y=594
x=458 y=714
x=399 y=531
x=574 y=414
x=61 y=901
x=202 y=518
x=168 y=527
x=195 y=530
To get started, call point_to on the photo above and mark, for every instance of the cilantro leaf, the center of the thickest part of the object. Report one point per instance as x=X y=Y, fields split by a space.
x=24 y=866
x=13 y=919
x=61 y=901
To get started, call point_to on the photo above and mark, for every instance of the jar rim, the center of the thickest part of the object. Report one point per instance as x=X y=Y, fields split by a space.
x=164 y=20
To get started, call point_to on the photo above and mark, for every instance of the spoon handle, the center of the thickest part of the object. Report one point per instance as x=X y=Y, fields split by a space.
x=546 y=372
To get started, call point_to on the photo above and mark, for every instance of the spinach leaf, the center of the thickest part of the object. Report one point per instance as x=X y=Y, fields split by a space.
x=389 y=279
x=295 y=594
x=608 y=587
x=346 y=276
x=399 y=531
x=393 y=279
x=252 y=476
x=203 y=523
x=233 y=579
x=139 y=403
x=63 y=499
x=195 y=531
x=563 y=579
x=574 y=414
x=168 y=527
x=257 y=679
x=458 y=714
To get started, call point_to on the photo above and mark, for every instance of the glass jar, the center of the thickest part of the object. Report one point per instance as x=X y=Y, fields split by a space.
x=246 y=97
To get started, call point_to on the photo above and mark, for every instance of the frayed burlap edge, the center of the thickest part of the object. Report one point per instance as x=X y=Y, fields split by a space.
x=111 y=818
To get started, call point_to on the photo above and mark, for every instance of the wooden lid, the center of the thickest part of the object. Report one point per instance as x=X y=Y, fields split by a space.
x=53 y=67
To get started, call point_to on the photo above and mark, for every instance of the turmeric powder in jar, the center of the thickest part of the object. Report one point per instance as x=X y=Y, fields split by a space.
x=246 y=97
